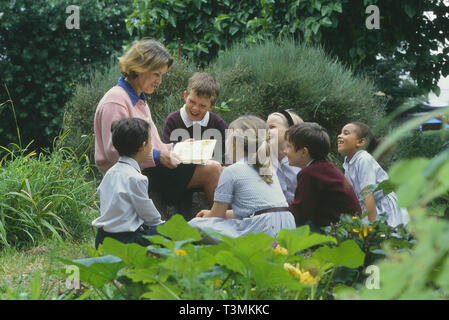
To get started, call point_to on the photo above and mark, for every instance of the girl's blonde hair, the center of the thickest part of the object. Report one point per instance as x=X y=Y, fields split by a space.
x=144 y=55
x=249 y=133
x=294 y=116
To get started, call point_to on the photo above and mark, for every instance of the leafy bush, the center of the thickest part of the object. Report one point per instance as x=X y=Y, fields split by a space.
x=41 y=58
x=248 y=267
x=45 y=195
x=421 y=144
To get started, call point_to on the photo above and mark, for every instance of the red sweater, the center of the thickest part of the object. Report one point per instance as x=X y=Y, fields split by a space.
x=322 y=195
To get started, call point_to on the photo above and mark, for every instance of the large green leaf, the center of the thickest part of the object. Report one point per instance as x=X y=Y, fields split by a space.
x=347 y=254
x=300 y=239
x=162 y=292
x=97 y=271
x=227 y=259
x=176 y=228
x=132 y=254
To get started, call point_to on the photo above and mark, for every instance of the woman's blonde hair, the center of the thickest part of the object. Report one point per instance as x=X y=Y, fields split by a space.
x=144 y=55
x=249 y=133
x=293 y=115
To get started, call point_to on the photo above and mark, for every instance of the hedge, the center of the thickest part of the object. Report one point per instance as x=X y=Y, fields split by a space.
x=41 y=59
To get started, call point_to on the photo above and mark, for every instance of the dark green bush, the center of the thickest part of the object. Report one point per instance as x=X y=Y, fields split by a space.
x=41 y=59
x=421 y=144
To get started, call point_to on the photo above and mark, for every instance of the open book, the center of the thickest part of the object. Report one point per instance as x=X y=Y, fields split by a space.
x=198 y=152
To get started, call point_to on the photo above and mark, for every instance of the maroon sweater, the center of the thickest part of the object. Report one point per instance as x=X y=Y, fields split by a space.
x=174 y=121
x=322 y=195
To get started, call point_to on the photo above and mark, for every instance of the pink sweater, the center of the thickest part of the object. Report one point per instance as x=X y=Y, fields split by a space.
x=116 y=105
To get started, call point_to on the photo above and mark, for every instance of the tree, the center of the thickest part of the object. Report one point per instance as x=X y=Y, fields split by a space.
x=42 y=58
x=406 y=33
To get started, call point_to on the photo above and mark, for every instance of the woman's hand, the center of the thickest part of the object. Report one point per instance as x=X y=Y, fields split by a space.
x=169 y=159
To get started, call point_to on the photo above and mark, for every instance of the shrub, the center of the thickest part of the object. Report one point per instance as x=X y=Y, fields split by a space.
x=51 y=194
x=421 y=144
x=41 y=58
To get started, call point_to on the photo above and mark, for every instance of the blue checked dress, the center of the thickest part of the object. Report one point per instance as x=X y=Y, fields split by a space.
x=241 y=185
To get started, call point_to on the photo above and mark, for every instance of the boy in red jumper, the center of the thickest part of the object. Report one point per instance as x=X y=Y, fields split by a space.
x=322 y=193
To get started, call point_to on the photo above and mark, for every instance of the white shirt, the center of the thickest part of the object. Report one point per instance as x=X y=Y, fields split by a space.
x=287 y=176
x=124 y=201
x=188 y=122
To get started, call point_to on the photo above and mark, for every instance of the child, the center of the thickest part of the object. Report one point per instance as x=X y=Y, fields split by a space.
x=323 y=193
x=277 y=123
x=127 y=214
x=195 y=119
x=362 y=170
x=248 y=185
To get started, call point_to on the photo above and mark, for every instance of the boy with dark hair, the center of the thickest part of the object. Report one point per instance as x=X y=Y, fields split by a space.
x=322 y=193
x=127 y=213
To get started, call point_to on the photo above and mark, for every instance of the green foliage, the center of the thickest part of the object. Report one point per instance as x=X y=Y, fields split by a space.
x=421 y=144
x=47 y=195
x=41 y=59
x=421 y=274
x=203 y=28
x=175 y=266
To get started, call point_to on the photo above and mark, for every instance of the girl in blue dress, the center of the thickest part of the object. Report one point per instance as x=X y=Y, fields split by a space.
x=362 y=170
x=248 y=198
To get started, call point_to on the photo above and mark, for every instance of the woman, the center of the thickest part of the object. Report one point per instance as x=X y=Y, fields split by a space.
x=143 y=67
x=248 y=185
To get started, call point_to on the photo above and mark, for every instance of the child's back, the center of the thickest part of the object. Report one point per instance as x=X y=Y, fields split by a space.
x=322 y=195
x=124 y=202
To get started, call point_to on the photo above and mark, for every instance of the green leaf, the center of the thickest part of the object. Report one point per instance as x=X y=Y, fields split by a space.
x=347 y=254
x=36 y=286
x=227 y=259
x=299 y=239
x=409 y=10
x=326 y=22
x=147 y=275
x=162 y=292
x=97 y=271
x=176 y=228
x=132 y=254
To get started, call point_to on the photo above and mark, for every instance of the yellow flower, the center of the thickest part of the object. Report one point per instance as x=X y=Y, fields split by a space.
x=280 y=250
x=365 y=231
x=217 y=282
x=303 y=277
x=180 y=252
x=355 y=230
x=354 y=218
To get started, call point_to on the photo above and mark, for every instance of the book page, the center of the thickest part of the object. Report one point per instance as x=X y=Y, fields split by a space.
x=198 y=152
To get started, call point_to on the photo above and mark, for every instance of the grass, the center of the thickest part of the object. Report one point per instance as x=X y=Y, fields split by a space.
x=19 y=267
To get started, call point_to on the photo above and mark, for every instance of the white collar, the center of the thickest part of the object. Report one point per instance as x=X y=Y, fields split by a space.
x=128 y=160
x=354 y=157
x=310 y=162
x=189 y=123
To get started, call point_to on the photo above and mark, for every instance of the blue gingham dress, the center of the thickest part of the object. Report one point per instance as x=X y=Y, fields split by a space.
x=241 y=185
x=363 y=170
